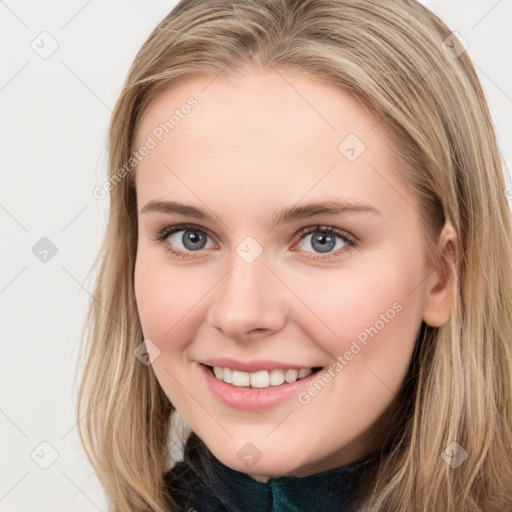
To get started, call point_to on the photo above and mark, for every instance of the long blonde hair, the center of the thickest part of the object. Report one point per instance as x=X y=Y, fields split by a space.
x=401 y=61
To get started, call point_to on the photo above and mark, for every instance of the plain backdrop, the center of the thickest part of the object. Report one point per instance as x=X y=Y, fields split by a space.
x=55 y=110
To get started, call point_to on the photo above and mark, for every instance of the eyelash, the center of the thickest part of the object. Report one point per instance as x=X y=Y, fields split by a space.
x=349 y=240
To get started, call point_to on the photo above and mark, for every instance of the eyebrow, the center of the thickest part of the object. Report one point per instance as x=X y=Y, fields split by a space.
x=287 y=214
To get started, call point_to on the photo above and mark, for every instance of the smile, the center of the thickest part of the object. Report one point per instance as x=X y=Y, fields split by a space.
x=262 y=378
x=241 y=395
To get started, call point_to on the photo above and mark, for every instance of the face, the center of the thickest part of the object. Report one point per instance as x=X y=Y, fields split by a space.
x=301 y=249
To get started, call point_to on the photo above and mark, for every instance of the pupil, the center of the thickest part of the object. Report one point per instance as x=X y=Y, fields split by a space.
x=327 y=242
x=193 y=240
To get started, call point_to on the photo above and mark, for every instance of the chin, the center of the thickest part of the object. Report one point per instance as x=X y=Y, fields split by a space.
x=269 y=463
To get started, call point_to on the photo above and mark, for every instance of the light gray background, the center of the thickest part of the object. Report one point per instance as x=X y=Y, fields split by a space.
x=55 y=113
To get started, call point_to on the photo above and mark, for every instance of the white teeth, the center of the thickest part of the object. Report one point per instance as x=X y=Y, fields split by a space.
x=276 y=377
x=261 y=379
x=240 y=378
x=291 y=375
x=304 y=372
x=227 y=375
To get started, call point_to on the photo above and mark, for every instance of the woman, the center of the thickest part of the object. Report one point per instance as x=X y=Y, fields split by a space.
x=334 y=321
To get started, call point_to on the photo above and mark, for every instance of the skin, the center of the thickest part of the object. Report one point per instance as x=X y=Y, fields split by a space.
x=253 y=145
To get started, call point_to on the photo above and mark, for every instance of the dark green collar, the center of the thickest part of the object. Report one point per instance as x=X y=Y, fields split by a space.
x=210 y=486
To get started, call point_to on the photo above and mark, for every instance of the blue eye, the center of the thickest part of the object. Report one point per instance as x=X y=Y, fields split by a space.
x=182 y=240
x=193 y=239
x=324 y=239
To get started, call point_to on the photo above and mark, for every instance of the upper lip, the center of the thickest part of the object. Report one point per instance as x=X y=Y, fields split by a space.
x=254 y=365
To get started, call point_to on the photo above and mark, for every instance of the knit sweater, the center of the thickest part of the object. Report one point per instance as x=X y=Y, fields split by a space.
x=201 y=483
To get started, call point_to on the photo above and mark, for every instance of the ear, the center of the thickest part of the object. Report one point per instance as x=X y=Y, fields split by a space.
x=440 y=282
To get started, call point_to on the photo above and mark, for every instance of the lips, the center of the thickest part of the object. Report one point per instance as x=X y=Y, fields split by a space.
x=253 y=398
x=257 y=365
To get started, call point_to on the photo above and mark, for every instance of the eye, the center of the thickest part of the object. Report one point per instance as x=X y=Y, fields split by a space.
x=328 y=242
x=182 y=239
x=324 y=239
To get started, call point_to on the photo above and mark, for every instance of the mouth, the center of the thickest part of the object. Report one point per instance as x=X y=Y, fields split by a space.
x=260 y=379
x=257 y=390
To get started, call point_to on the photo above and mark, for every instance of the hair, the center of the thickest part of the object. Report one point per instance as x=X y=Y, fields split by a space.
x=389 y=55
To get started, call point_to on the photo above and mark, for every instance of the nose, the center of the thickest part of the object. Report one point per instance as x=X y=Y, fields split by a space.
x=248 y=301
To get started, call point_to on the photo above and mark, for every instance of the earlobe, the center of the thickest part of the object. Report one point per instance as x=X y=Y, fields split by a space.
x=441 y=280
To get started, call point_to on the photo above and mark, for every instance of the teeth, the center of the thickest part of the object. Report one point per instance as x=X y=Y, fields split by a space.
x=240 y=378
x=304 y=373
x=261 y=379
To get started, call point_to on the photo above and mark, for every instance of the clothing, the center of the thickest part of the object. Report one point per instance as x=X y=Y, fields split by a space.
x=204 y=484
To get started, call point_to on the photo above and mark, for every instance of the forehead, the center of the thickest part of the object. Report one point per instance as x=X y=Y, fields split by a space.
x=259 y=102
x=270 y=133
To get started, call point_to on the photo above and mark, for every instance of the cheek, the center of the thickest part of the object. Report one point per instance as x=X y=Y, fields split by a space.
x=165 y=299
x=372 y=315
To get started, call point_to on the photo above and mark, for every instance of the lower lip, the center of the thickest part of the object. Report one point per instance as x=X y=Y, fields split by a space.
x=253 y=399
